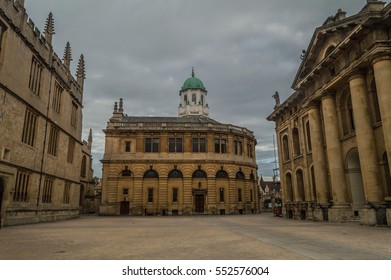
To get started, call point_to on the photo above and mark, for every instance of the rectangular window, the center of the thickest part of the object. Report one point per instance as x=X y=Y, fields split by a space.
x=251 y=195
x=174 y=195
x=150 y=195
x=238 y=147
x=221 y=194
x=47 y=191
x=220 y=146
x=239 y=195
x=175 y=145
x=199 y=145
x=67 y=191
x=29 y=128
x=21 y=186
x=35 y=76
x=74 y=114
x=249 y=150
x=53 y=141
x=125 y=191
x=151 y=145
x=56 y=102
x=71 y=149
x=127 y=146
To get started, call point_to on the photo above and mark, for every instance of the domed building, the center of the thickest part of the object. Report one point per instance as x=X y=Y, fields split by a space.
x=189 y=164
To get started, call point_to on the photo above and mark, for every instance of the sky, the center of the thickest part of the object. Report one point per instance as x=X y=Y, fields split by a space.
x=143 y=51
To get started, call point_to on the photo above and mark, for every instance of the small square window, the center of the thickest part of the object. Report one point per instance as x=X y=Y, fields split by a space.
x=125 y=191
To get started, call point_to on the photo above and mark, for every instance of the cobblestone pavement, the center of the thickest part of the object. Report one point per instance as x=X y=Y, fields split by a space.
x=194 y=237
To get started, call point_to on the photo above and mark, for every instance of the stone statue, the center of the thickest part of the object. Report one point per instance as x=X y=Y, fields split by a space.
x=276 y=97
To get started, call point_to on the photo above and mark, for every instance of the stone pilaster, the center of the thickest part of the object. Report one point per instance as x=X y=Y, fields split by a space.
x=340 y=210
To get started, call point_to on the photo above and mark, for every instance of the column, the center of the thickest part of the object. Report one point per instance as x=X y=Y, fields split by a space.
x=382 y=70
x=341 y=210
x=365 y=138
x=318 y=156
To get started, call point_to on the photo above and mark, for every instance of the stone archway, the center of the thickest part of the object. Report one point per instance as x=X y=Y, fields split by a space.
x=355 y=181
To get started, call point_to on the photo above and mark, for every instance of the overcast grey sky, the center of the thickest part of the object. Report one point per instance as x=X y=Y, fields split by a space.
x=143 y=51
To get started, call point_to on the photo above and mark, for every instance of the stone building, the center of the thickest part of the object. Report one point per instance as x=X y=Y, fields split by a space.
x=190 y=164
x=41 y=105
x=334 y=131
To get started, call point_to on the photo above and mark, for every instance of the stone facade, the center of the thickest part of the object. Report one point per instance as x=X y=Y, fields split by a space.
x=41 y=103
x=334 y=131
x=190 y=164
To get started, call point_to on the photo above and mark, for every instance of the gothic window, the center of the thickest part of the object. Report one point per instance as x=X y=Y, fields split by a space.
x=21 y=186
x=300 y=185
x=71 y=149
x=151 y=145
x=74 y=114
x=221 y=174
x=289 y=187
x=199 y=145
x=53 y=141
x=35 y=76
x=29 y=128
x=175 y=145
x=199 y=174
x=83 y=170
x=47 y=191
x=175 y=174
x=56 y=102
x=66 y=194
x=308 y=134
x=151 y=174
x=285 y=147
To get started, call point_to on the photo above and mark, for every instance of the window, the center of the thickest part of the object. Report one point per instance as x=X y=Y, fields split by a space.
x=239 y=195
x=308 y=134
x=220 y=146
x=250 y=150
x=29 y=128
x=2 y=30
x=71 y=150
x=127 y=146
x=194 y=99
x=175 y=195
x=199 y=145
x=125 y=191
x=83 y=170
x=296 y=142
x=285 y=147
x=251 y=195
x=47 y=190
x=151 y=145
x=35 y=76
x=221 y=194
x=56 y=103
x=74 y=114
x=150 y=195
x=238 y=147
x=53 y=141
x=21 y=186
x=175 y=145
x=67 y=191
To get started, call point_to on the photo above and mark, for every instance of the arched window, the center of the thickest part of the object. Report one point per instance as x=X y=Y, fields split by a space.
x=83 y=171
x=329 y=51
x=126 y=173
x=285 y=147
x=194 y=99
x=240 y=175
x=347 y=115
x=151 y=174
x=296 y=142
x=300 y=185
x=221 y=174
x=175 y=174
x=199 y=174
x=375 y=102
x=289 y=190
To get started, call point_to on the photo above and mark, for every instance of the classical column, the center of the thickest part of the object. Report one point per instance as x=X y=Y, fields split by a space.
x=365 y=138
x=382 y=70
x=334 y=155
x=318 y=156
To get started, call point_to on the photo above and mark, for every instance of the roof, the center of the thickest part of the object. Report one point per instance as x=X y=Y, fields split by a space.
x=184 y=119
x=193 y=83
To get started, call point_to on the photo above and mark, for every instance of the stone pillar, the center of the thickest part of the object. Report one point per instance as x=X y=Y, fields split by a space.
x=382 y=70
x=367 y=149
x=340 y=210
x=319 y=161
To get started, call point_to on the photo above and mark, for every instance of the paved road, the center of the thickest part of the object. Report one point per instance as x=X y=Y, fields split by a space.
x=194 y=237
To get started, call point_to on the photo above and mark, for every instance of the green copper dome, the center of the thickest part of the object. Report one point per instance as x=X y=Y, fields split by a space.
x=193 y=83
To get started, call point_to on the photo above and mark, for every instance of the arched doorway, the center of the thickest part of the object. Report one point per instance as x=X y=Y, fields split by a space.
x=2 y=187
x=355 y=180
